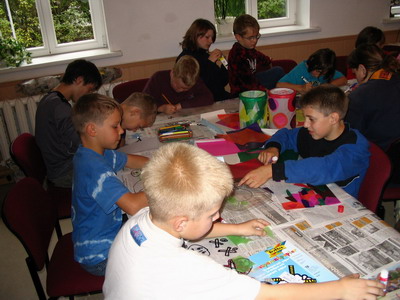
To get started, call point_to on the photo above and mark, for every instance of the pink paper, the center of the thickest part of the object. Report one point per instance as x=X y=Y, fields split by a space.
x=218 y=147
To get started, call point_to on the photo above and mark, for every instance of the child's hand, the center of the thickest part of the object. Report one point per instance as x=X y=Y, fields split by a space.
x=252 y=227
x=266 y=156
x=168 y=109
x=354 y=288
x=306 y=87
x=257 y=177
x=215 y=55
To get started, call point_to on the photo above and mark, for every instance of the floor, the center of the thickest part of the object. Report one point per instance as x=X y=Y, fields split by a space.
x=15 y=281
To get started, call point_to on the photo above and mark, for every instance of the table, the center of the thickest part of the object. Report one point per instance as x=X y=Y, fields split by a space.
x=354 y=241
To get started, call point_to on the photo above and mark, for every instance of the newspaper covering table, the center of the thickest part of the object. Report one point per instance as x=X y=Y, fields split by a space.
x=352 y=241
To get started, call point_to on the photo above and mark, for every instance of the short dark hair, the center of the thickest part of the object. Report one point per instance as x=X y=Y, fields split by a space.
x=85 y=69
x=93 y=107
x=371 y=36
x=198 y=29
x=326 y=99
x=243 y=22
x=324 y=60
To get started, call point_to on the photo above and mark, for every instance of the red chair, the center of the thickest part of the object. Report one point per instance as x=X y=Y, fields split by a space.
x=377 y=175
x=341 y=64
x=124 y=90
x=286 y=64
x=391 y=191
x=30 y=214
x=28 y=157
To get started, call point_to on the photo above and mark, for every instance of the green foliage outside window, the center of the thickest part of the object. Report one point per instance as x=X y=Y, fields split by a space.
x=72 y=21
x=267 y=9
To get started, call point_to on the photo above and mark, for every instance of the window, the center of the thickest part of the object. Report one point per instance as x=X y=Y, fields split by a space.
x=269 y=13
x=395 y=8
x=54 y=26
x=272 y=13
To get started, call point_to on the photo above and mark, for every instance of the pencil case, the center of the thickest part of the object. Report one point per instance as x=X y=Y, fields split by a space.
x=174 y=133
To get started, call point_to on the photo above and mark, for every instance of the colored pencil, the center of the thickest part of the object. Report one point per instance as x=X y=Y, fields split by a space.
x=166 y=99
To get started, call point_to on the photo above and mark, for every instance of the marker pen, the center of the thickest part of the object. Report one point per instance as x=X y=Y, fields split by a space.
x=383 y=278
x=273 y=159
x=304 y=79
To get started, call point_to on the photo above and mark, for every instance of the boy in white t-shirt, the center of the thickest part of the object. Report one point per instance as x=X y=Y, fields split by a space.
x=185 y=187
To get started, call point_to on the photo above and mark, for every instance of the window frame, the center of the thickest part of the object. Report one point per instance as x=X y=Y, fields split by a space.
x=290 y=19
x=50 y=46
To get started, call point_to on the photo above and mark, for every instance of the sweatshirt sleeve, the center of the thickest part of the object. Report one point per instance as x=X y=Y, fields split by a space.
x=345 y=162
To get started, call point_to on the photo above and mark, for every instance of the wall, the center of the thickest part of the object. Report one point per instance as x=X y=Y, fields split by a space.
x=148 y=34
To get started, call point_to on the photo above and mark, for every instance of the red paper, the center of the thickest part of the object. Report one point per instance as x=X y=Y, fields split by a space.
x=241 y=169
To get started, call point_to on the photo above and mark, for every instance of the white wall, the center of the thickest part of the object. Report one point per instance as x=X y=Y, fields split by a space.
x=151 y=29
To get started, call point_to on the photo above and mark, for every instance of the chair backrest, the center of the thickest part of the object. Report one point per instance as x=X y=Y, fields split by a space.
x=286 y=64
x=30 y=214
x=341 y=64
x=26 y=154
x=124 y=90
x=375 y=179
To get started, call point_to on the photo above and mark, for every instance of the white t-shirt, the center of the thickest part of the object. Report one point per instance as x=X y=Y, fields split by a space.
x=145 y=262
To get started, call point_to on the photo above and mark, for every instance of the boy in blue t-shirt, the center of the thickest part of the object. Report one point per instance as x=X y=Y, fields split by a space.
x=330 y=150
x=98 y=195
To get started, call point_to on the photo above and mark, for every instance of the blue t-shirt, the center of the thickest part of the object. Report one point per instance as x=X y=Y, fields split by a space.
x=294 y=76
x=96 y=218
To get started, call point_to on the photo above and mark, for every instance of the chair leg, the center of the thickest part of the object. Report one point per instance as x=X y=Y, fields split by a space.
x=380 y=211
x=36 y=279
x=58 y=230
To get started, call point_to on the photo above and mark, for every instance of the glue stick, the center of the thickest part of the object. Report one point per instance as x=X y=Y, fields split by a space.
x=224 y=62
x=383 y=278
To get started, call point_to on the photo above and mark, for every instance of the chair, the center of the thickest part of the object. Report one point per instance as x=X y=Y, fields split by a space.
x=28 y=157
x=375 y=179
x=391 y=191
x=30 y=214
x=124 y=90
x=286 y=64
x=341 y=64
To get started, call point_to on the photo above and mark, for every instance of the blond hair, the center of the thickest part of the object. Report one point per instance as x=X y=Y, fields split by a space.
x=187 y=69
x=183 y=180
x=145 y=102
x=93 y=108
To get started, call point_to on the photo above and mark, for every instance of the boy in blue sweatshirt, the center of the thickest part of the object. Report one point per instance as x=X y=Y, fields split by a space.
x=330 y=150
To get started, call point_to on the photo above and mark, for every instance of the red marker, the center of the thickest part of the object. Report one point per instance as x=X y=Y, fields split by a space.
x=340 y=208
x=383 y=278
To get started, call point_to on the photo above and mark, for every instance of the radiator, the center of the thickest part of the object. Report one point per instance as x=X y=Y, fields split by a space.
x=17 y=116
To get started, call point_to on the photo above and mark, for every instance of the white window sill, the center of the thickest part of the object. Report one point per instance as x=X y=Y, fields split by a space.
x=273 y=31
x=61 y=59
x=391 y=20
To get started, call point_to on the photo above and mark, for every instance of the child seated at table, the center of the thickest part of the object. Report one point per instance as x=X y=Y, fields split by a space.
x=330 y=150
x=98 y=196
x=139 y=111
x=318 y=69
x=250 y=69
x=186 y=187
x=180 y=87
x=197 y=42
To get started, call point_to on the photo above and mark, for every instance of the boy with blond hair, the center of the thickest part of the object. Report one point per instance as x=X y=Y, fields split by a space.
x=186 y=187
x=139 y=111
x=330 y=150
x=250 y=69
x=98 y=196
x=180 y=87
